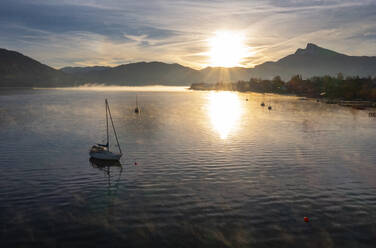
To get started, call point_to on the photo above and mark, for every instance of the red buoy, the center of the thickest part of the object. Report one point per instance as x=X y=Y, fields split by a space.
x=306 y=219
x=135 y=163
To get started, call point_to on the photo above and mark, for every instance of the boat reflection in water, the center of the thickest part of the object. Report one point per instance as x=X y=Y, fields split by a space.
x=111 y=168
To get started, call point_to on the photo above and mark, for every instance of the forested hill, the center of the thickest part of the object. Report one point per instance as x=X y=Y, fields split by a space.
x=17 y=70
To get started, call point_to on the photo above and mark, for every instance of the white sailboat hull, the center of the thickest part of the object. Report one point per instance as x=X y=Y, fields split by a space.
x=106 y=155
x=100 y=151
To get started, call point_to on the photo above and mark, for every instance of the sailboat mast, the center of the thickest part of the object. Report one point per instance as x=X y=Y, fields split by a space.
x=108 y=144
x=113 y=127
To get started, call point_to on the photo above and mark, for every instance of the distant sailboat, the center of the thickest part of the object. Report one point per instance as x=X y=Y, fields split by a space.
x=137 y=109
x=269 y=100
x=100 y=151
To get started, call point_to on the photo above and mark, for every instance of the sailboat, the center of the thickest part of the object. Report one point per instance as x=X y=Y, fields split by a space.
x=100 y=151
x=263 y=101
x=136 y=110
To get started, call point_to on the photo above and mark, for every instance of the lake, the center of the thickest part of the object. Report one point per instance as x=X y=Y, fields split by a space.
x=200 y=169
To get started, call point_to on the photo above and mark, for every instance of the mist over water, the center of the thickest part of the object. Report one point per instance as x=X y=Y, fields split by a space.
x=101 y=87
x=212 y=170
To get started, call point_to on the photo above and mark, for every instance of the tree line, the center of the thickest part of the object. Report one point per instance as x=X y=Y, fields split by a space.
x=339 y=87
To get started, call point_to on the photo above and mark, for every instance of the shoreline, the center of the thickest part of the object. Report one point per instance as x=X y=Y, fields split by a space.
x=356 y=104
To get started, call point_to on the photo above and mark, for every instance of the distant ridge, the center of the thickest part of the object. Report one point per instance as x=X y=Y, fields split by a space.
x=317 y=61
x=19 y=70
x=142 y=73
x=72 y=70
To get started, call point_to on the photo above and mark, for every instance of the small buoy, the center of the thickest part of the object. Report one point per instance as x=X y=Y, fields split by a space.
x=270 y=107
x=135 y=163
x=306 y=219
x=136 y=110
x=246 y=99
x=262 y=104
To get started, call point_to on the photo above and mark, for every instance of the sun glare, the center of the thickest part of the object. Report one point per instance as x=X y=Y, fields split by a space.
x=224 y=109
x=227 y=49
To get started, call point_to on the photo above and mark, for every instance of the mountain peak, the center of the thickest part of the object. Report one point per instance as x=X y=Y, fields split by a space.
x=311 y=46
x=310 y=49
x=313 y=49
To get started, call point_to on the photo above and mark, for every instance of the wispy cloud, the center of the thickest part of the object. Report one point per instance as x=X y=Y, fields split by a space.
x=78 y=32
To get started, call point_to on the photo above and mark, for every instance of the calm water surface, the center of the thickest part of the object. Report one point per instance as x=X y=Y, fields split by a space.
x=212 y=170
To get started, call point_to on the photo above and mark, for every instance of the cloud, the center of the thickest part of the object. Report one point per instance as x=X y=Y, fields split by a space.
x=78 y=32
x=113 y=23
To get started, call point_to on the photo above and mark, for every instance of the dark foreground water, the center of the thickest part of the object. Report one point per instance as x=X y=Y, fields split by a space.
x=212 y=170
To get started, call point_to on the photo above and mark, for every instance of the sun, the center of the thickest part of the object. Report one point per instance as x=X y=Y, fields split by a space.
x=227 y=49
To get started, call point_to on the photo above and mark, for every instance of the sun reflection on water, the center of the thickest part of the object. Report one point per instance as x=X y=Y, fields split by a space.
x=224 y=110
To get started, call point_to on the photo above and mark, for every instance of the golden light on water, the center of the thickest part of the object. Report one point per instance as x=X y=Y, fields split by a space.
x=227 y=49
x=224 y=110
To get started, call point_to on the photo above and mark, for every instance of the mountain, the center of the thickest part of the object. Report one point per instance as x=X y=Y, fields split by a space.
x=73 y=70
x=17 y=70
x=308 y=62
x=142 y=73
x=316 y=61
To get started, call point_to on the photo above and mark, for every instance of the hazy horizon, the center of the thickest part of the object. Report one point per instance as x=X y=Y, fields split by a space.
x=191 y=33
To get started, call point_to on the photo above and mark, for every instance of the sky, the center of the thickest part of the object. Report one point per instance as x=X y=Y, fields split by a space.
x=112 y=32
